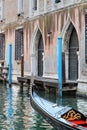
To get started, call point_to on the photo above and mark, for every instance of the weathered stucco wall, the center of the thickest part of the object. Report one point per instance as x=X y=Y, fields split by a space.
x=56 y=23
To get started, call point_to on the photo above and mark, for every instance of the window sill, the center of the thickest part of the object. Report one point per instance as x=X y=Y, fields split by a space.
x=20 y=14
x=2 y=61
x=18 y=61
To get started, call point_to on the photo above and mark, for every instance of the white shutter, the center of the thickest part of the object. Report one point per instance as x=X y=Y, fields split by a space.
x=2 y=9
x=20 y=6
x=30 y=8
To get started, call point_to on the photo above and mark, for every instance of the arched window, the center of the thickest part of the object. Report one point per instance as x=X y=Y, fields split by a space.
x=40 y=56
x=73 y=57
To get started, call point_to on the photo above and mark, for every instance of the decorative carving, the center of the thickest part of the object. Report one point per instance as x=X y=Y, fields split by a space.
x=72 y=115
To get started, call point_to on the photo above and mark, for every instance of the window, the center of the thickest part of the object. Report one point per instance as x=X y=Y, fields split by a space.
x=20 y=6
x=86 y=38
x=35 y=4
x=19 y=45
x=2 y=46
x=57 y=1
x=2 y=9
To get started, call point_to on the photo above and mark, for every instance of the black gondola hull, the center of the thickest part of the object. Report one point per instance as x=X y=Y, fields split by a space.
x=56 y=121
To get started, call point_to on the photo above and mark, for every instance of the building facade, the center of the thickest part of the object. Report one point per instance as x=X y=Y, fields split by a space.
x=33 y=27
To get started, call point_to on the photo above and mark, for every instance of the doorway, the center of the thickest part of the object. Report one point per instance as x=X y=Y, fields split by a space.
x=73 y=57
x=40 y=56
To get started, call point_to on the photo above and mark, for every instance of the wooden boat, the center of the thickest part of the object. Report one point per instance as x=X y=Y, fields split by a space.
x=61 y=117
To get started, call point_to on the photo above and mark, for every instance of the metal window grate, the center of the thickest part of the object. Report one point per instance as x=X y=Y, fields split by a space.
x=73 y=57
x=2 y=46
x=40 y=57
x=86 y=38
x=19 y=45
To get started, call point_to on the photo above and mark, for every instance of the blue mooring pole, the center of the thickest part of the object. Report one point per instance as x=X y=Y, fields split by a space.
x=60 y=65
x=10 y=64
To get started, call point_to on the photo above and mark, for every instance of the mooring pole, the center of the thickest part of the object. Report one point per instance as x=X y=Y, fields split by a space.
x=10 y=64
x=60 y=65
x=22 y=70
x=22 y=65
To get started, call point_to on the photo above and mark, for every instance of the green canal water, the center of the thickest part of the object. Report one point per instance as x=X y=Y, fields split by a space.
x=16 y=112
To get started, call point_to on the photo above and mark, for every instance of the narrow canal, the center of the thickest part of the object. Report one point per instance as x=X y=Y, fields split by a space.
x=16 y=112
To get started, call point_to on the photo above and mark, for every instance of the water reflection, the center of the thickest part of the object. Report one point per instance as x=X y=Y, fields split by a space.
x=10 y=109
x=82 y=105
x=16 y=112
x=23 y=110
x=67 y=100
x=3 y=105
x=40 y=123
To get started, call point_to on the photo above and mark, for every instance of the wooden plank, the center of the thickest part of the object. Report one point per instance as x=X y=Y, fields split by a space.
x=4 y=68
x=23 y=79
x=3 y=73
x=22 y=66
x=1 y=78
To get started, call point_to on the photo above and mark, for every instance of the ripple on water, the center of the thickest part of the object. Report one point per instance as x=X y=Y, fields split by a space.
x=16 y=112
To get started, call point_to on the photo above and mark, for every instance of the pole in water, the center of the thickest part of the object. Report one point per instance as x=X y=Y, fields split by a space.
x=10 y=64
x=60 y=65
x=22 y=65
x=22 y=68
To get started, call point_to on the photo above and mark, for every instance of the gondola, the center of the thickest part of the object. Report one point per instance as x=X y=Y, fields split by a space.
x=60 y=117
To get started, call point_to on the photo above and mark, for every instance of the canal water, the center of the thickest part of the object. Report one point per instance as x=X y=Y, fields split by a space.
x=16 y=112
